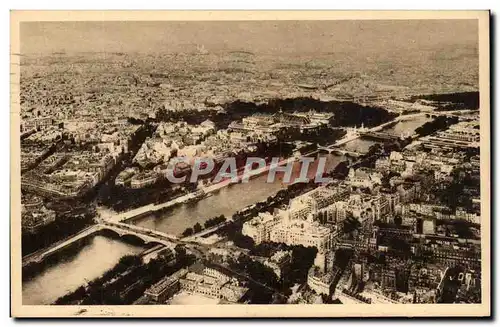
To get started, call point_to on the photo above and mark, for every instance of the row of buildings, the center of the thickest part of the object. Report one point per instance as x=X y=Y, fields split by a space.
x=71 y=176
x=265 y=126
x=400 y=222
x=465 y=134
x=208 y=282
x=77 y=161
x=34 y=215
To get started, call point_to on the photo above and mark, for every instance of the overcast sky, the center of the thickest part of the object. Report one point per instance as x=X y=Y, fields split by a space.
x=266 y=37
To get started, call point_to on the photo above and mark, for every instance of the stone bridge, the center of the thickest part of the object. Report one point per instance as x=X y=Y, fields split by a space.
x=122 y=230
x=334 y=149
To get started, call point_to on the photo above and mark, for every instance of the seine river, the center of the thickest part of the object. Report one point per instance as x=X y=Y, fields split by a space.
x=87 y=263
x=408 y=126
x=229 y=200
x=102 y=253
x=226 y=201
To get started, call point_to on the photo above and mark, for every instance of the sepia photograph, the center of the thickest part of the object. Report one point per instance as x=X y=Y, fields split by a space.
x=250 y=164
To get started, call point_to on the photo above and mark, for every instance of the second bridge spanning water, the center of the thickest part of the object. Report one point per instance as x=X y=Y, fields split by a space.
x=339 y=151
x=400 y=127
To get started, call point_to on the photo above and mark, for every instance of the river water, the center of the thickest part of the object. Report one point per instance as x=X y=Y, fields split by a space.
x=237 y=196
x=226 y=201
x=89 y=262
x=404 y=128
x=360 y=145
x=408 y=126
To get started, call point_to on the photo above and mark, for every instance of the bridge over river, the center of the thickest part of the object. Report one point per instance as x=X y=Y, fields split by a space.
x=122 y=230
x=377 y=131
x=331 y=149
x=353 y=134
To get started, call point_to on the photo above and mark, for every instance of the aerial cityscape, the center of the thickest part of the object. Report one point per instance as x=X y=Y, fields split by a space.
x=353 y=150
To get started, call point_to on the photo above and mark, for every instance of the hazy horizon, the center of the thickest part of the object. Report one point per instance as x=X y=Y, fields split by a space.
x=260 y=37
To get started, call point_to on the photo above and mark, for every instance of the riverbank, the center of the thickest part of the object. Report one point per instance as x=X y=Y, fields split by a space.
x=32 y=267
x=68 y=269
x=132 y=215
x=174 y=216
x=129 y=216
